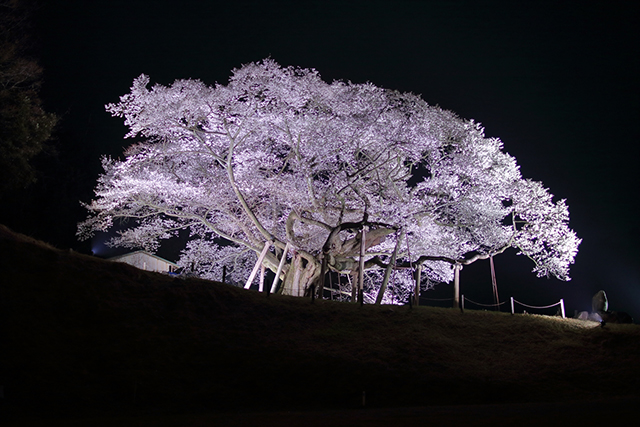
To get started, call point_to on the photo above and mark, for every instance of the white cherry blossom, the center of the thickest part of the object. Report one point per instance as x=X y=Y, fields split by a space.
x=278 y=155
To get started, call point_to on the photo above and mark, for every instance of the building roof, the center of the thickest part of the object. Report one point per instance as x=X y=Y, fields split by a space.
x=116 y=258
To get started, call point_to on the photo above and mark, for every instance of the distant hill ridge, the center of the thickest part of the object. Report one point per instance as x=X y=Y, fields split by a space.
x=91 y=336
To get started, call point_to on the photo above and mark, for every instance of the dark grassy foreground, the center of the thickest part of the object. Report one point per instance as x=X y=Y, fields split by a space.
x=93 y=340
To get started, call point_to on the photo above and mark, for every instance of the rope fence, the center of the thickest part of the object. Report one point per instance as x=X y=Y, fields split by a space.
x=482 y=305
x=513 y=301
x=560 y=303
x=332 y=291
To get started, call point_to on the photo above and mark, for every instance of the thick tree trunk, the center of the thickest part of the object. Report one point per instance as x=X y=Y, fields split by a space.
x=301 y=275
x=295 y=285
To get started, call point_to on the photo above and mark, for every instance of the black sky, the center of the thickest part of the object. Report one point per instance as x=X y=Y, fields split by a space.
x=556 y=81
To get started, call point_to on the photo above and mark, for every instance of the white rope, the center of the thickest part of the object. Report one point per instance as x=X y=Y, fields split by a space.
x=485 y=305
x=533 y=306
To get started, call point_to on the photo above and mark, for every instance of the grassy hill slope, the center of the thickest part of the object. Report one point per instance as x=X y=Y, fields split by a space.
x=83 y=335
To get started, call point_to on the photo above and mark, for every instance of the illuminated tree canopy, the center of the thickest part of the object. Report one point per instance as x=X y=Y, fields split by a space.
x=278 y=155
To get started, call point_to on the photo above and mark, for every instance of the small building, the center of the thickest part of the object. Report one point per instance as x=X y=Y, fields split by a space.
x=146 y=261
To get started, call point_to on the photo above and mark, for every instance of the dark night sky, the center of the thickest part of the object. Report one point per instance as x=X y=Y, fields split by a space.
x=556 y=81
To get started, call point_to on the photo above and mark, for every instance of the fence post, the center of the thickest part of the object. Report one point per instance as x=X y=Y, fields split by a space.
x=512 y=310
x=462 y=302
x=562 y=307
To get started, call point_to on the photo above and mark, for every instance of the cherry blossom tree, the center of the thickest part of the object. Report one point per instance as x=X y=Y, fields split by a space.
x=309 y=178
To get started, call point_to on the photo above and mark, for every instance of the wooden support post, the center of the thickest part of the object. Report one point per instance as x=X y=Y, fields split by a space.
x=456 y=285
x=261 y=284
x=390 y=267
x=361 y=264
x=512 y=309
x=323 y=274
x=282 y=261
x=562 y=307
x=354 y=289
x=494 y=284
x=416 y=292
x=267 y=245
x=331 y=284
